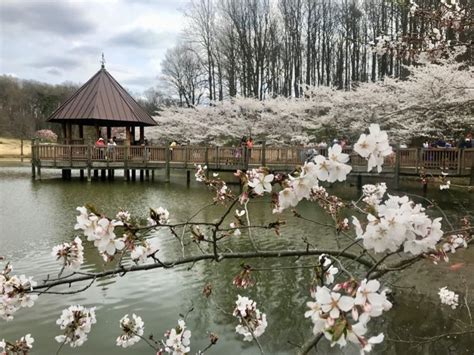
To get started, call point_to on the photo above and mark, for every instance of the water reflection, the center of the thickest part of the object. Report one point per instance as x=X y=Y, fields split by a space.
x=34 y=216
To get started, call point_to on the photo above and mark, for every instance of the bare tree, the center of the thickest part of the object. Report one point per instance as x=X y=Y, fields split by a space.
x=182 y=69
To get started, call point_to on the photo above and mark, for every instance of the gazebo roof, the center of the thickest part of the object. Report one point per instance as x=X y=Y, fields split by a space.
x=102 y=101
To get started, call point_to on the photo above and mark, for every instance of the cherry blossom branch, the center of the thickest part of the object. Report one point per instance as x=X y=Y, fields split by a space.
x=310 y=343
x=219 y=257
x=253 y=335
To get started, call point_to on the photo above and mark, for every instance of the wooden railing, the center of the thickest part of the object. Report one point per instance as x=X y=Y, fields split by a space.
x=411 y=160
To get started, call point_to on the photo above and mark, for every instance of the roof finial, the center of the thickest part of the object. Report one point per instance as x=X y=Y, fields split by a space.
x=102 y=61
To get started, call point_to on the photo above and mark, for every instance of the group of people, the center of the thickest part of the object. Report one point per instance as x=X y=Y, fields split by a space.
x=245 y=145
x=464 y=142
x=108 y=148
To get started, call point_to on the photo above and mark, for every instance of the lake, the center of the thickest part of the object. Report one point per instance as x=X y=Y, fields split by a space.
x=37 y=215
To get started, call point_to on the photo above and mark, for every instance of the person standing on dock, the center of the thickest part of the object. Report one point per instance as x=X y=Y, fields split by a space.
x=110 y=148
x=172 y=146
x=249 y=149
x=100 y=145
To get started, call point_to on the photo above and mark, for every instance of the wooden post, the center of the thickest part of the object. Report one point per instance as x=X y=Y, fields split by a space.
x=471 y=179
x=147 y=174
x=396 y=175
x=460 y=157
x=167 y=164
x=141 y=174
x=152 y=174
x=69 y=133
x=142 y=134
x=109 y=132
x=63 y=126
x=206 y=160
x=188 y=177
x=186 y=153
x=96 y=174
x=417 y=162
x=134 y=174
x=128 y=140
x=264 y=145
x=33 y=157
x=81 y=174
x=102 y=174
x=89 y=161
x=21 y=150
x=126 y=172
x=39 y=169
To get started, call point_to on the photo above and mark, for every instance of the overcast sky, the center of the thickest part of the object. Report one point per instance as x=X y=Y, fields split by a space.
x=62 y=40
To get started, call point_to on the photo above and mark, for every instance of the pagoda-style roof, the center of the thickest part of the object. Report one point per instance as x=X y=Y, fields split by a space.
x=102 y=101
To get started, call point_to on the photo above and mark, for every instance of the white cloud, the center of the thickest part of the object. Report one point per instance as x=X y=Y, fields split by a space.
x=57 y=41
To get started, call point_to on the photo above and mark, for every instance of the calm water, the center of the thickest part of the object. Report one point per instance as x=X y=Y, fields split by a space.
x=35 y=216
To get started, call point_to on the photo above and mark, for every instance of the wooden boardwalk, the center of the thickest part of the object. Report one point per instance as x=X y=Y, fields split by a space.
x=410 y=161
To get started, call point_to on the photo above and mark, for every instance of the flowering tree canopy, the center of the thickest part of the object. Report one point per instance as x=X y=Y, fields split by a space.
x=436 y=98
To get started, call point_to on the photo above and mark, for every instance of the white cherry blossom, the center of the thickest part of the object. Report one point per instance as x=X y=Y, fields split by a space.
x=132 y=330
x=178 y=340
x=76 y=321
x=14 y=293
x=87 y=222
x=71 y=255
x=333 y=302
x=287 y=198
x=252 y=322
x=374 y=147
x=140 y=253
x=261 y=183
x=448 y=297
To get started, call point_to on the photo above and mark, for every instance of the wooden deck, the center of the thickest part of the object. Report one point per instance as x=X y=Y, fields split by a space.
x=410 y=161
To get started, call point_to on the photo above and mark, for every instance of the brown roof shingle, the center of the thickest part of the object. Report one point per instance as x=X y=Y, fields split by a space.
x=102 y=101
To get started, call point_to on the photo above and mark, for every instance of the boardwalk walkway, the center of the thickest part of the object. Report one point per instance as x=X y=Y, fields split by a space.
x=410 y=161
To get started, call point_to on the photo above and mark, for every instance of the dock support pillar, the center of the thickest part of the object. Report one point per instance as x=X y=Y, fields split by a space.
x=88 y=174
x=126 y=174
x=153 y=175
x=188 y=177
x=33 y=159
x=96 y=174
x=147 y=175
x=141 y=175
x=359 y=182
x=38 y=171
x=134 y=174
x=102 y=174
x=81 y=174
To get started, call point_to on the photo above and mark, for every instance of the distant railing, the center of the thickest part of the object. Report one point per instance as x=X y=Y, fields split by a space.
x=411 y=160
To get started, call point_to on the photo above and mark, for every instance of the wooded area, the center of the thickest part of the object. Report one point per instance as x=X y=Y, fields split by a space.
x=264 y=48
x=25 y=105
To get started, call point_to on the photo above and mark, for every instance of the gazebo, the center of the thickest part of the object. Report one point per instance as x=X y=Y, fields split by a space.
x=101 y=102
